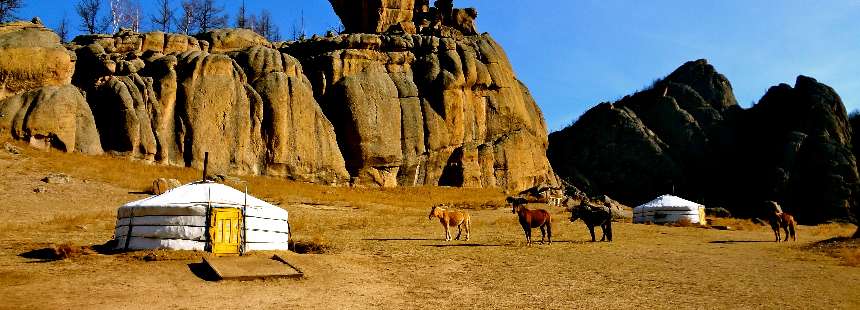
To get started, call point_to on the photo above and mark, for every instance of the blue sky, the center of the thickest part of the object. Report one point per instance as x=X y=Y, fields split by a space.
x=574 y=54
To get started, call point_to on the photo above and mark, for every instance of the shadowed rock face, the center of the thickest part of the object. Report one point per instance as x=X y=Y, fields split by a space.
x=687 y=134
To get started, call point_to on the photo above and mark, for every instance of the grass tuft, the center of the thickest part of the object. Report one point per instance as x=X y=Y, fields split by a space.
x=316 y=245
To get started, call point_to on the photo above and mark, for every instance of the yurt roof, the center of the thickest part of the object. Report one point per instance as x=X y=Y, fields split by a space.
x=669 y=201
x=201 y=193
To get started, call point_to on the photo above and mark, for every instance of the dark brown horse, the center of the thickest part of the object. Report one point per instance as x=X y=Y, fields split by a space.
x=786 y=222
x=534 y=218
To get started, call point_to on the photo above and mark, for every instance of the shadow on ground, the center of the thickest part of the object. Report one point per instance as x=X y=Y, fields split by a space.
x=462 y=245
x=203 y=271
x=399 y=239
x=738 y=241
x=57 y=252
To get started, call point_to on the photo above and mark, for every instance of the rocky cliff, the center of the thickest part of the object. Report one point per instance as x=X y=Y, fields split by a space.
x=687 y=134
x=398 y=106
x=37 y=101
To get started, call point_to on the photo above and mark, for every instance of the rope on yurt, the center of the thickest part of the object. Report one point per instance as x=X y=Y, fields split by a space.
x=130 y=227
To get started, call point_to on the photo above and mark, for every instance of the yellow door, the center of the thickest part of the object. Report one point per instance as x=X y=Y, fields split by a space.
x=225 y=231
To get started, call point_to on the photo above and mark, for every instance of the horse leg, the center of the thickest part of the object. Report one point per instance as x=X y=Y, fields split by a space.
x=785 y=228
x=527 y=232
x=447 y=233
x=459 y=231
x=603 y=230
x=776 y=234
x=542 y=233
x=468 y=228
x=591 y=230
x=608 y=230
x=793 y=231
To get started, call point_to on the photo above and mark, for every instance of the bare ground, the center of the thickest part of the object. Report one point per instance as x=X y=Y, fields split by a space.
x=387 y=254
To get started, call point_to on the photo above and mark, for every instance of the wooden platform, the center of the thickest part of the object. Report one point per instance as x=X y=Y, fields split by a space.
x=245 y=268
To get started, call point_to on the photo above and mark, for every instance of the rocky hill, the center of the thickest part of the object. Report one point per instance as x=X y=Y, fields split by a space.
x=687 y=134
x=409 y=95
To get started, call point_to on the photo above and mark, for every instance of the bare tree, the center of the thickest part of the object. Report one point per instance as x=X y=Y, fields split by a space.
x=63 y=29
x=8 y=8
x=164 y=16
x=209 y=15
x=298 y=31
x=265 y=27
x=188 y=20
x=88 y=11
x=242 y=17
x=125 y=14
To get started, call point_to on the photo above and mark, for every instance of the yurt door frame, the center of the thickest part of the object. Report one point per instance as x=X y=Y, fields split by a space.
x=225 y=231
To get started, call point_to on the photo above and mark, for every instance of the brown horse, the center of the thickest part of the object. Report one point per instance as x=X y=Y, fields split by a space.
x=534 y=218
x=786 y=222
x=450 y=219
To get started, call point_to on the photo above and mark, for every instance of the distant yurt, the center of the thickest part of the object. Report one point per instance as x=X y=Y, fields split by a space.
x=669 y=209
x=202 y=216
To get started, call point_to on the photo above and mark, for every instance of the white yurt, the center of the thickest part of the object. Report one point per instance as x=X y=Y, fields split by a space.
x=202 y=216
x=669 y=209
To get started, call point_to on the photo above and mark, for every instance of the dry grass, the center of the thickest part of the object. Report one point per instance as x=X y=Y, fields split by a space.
x=739 y=224
x=850 y=256
x=316 y=245
x=379 y=250
x=82 y=221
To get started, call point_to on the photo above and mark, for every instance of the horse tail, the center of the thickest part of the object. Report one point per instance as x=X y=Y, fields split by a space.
x=549 y=227
x=792 y=230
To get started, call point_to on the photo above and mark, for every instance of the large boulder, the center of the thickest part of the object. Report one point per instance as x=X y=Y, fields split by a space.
x=229 y=40
x=374 y=16
x=32 y=57
x=51 y=117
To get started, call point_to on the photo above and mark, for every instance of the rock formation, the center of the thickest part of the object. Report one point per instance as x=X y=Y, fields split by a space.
x=687 y=134
x=37 y=102
x=380 y=106
x=464 y=119
x=171 y=98
x=406 y=16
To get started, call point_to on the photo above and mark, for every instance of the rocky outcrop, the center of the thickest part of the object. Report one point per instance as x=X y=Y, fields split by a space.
x=406 y=16
x=31 y=57
x=37 y=102
x=802 y=157
x=374 y=16
x=247 y=105
x=390 y=107
x=51 y=117
x=427 y=110
x=686 y=134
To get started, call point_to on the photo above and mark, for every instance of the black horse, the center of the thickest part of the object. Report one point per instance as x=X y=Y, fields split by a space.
x=594 y=216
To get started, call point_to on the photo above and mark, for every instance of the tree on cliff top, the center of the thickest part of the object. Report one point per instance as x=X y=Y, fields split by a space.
x=88 y=11
x=209 y=15
x=125 y=14
x=265 y=27
x=242 y=17
x=62 y=29
x=8 y=8
x=201 y=16
x=164 y=17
